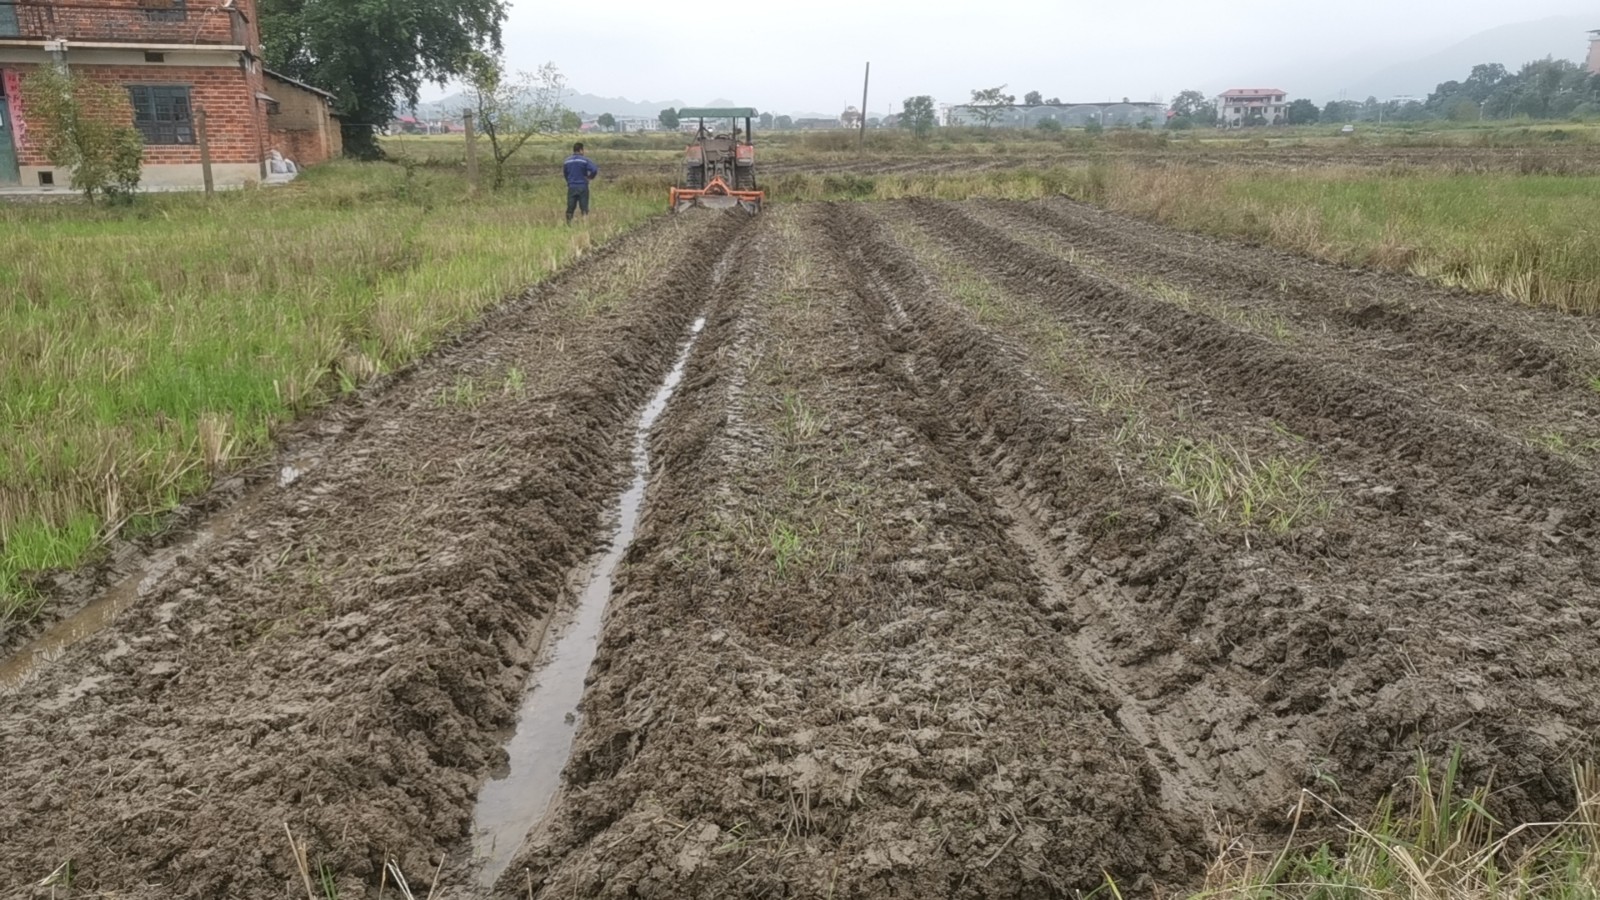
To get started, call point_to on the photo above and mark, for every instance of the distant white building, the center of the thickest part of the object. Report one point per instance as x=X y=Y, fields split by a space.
x=638 y=123
x=1594 y=51
x=1067 y=115
x=1240 y=105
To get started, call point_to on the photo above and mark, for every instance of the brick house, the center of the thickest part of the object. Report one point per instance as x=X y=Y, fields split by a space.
x=300 y=121
x=1238 y=106
x=172 y=58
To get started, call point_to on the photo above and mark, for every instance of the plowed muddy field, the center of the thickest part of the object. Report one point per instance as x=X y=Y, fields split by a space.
x=972 y=550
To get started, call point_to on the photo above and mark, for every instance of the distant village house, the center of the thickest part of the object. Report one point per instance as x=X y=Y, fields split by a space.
x=1594 y=51
x=1243 y=106
x=171 y=59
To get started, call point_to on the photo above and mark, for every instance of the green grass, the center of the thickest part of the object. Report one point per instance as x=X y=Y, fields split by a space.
x=1230 y=485
x=1434 y=840
x=1529 y=237
x=145 y=349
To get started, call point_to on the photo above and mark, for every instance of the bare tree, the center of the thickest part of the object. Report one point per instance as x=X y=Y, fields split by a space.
x=990 y=103
x=512 y=109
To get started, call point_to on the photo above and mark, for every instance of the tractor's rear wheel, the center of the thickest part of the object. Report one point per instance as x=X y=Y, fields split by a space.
x=744 y=178
x=695 y=178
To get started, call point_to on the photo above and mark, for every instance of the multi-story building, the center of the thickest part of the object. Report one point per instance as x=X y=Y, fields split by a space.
x=1594 y=51
x=1241 y=106
x=169 y=59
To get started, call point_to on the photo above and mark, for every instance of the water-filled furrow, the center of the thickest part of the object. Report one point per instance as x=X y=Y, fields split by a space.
x=510 y=806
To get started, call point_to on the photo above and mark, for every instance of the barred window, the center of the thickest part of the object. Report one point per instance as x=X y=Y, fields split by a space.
x=165 y=10
x=161 y=113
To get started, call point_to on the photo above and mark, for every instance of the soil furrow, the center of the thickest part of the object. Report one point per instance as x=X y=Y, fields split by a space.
x=825 y=671
x=1094 y=579
x=1352 y=416
x=943 y=360
x=1527 y=341
x=1528 y=372
x=1301 y=620
x=346 y=664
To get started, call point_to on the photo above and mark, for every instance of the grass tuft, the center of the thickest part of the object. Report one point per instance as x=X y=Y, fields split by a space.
x=1437 y=842
x=1231 y=486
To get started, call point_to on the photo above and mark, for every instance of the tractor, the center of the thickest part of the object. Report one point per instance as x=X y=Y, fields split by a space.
x=720 y=166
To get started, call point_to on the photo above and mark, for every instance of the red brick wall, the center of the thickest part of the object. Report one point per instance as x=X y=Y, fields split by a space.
x=237 y=123
x=204 y=21
x=303 y=129
x=303 y=147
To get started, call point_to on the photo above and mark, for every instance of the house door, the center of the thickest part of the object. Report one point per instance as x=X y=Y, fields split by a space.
x=9 y=174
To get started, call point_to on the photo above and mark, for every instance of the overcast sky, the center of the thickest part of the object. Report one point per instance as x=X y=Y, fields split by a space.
x=808 y=55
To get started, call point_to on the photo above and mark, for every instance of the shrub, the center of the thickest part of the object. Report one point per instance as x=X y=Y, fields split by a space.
x=85 y=126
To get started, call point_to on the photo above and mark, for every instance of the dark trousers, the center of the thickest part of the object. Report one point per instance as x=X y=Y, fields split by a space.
x=577 y=197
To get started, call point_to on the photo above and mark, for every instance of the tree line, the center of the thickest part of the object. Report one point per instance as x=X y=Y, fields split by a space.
x=1543 y=89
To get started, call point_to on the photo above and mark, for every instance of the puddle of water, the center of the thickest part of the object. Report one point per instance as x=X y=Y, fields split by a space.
x=100 y=613
x=509 y=807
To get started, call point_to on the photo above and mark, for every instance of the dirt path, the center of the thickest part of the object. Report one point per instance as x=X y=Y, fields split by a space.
x=987 y=550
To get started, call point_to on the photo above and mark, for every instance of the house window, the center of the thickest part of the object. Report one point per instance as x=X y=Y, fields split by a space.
x=161 y=113
x=165 y=10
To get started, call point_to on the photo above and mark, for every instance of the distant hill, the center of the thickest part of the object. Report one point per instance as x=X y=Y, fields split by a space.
x=1415 y=73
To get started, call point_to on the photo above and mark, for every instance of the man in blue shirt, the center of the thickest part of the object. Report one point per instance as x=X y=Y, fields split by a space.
x=579 y=171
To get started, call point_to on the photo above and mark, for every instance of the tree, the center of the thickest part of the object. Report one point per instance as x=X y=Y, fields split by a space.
x=988 y=104
x=570 y=121
x=1464 y=110
x=607 y=121
x=1033 y=98
x=669 y=119
x=766 y=121
x=1094 y=126
x=1054 y=101
x=1338 y=112
x=376 y=53
x=1304 y=112
x=1189 y=104
x=1049 y=126
x=783 y=123
x=512 y=109
x=1191 y=109
x=85 y=128
x=919 y=116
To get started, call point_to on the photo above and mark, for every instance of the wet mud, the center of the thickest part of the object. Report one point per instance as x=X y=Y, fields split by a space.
x=912 y=604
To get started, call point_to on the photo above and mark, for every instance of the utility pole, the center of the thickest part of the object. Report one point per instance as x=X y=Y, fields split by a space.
x=866 y=83
x=469 y=126
x=203 y=138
